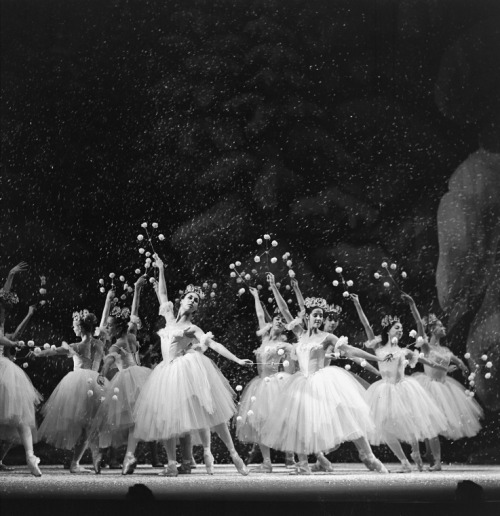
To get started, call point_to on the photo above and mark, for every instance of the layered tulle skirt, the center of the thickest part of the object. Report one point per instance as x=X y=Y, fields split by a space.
x=404 y=411
x=256 y=405
x=462 y=412
x=18 y=399
x=317 y=412
x=115 y=417
x=71 y=408
x=186 y=394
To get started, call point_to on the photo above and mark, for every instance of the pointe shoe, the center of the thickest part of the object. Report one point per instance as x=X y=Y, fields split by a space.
x=405 y=468
x=436 y=467
x=3 y=467
x=208 y=459
x=76 y=469
x=192 y=463
x=169 y=471
x=32 y=462
x=129 y=465
x=96 y=461
x=417 y=459
x=324 y=464
x=184 y=468
x=240 y=465
x=301 y=468
x=265 y=467
x=290 y=460
x=373 y=464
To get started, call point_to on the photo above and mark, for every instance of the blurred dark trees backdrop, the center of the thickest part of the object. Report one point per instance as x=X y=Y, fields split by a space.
x=332 y=125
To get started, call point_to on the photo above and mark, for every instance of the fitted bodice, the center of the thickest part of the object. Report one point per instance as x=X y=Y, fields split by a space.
x=124 y=358
x=310 y=352
x=173 y=342
x=267 y=356
x=393 y=371
x=442 y=357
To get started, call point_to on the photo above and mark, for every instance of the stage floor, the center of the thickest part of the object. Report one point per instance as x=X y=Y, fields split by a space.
x=349 y=484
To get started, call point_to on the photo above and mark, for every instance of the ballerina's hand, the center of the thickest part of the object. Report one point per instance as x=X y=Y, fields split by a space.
x=20 y=267
x=354 y=298
x=294 y=283
x=100 y=380
x=406 y=297
x=245 y=362
x=110 y=295
x=253 y=291
x=158 y=260
x=141 y=280
x=270 y=278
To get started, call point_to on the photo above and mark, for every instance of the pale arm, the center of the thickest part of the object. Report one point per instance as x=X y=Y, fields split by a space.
x=20 y=267
x=107 y=306
x=283 y=307
x=134 y=313
x=362 y=317
x=219 y=348
x=259 y=311
x=162 y=284
x=298 y=294
x=24 y=323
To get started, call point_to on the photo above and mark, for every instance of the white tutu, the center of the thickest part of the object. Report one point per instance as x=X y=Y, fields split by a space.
x=70 y=408
x=317 y=412
x=18 y=398
x=115 y=416
x=188 y=393
x=462 y=412
x=403 y=410
x=253 y=414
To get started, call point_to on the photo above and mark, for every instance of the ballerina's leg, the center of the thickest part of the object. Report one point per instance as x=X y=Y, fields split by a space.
x=415 y=455
x=27 y=440
x=395 y=447
x=435 y=447
x=78 y=452
x=130 y=462
x=367 y=457
x=223 y=432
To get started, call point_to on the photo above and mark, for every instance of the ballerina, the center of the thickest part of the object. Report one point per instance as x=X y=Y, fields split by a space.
x=335 y=410
x=18 y=397
x=72 y=406
x=114 y=421
x=195 y=396
x=10 y=353
x=400 y=407
x=462 y=412
x=259 y=394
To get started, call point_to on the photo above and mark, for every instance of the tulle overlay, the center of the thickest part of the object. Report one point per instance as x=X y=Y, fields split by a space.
x=403 y=410
x=70 y=408
x=265 y=391
x=317 y=412
x=115 y=416
x=18 y=398
x=188 y=393
x=462 y=412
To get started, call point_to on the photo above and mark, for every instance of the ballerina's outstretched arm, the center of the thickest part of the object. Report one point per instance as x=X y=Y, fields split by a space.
x=205 y=339
x=107 y=307
x=134 y=313
x=283 y=307
x=259 y=310
x=459 y=363
x=418 y=320
x=298 y=294
x=340 y=345
x=24 y=323
x=370 y=335
x=166 y=306
x=20 y=267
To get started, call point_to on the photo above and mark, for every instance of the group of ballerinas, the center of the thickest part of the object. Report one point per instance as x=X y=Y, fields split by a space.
x=318 y=407
x=298 y=403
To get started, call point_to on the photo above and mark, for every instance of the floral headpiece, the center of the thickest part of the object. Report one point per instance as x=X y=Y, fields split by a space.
x=334 y=309
x=430 y=320
x=196 y=290
x=8 y=297
x=316 y=302
x=78 y=316
x=389 y=320
x=120 y=313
